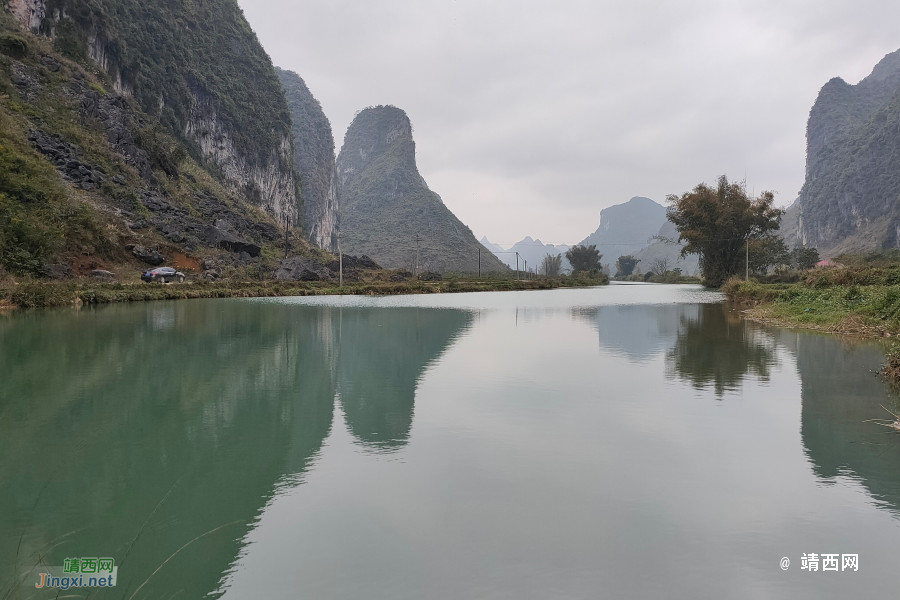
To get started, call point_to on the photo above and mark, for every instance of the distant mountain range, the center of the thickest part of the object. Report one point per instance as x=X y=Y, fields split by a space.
x=530 y=250
x=627 y=228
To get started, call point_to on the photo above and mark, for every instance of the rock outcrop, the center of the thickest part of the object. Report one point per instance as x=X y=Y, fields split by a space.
x=315 y=162
x=850 y=201
x=175 y=146
x=386 y=206
x=199 y=70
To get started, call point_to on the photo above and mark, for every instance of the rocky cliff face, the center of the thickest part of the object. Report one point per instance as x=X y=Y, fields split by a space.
x=104 y=166
x=385 y=203
x=849 y=201
x=198 y=68
x=315 y=162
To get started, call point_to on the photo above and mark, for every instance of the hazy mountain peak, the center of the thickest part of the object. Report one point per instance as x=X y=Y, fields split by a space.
x=387 y=211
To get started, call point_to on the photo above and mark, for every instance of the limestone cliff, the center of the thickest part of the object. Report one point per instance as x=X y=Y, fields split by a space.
x=197 y=68
x=385 y=203
x=184 y=158
x=315 y=162
x=849 y=201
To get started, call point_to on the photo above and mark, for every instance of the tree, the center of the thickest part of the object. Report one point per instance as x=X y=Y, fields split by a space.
x=717 y=222
x=768 y=251
x=625 y=265
x=551 y=265
x=804 y=258
x=659 y=266
x=584 y=258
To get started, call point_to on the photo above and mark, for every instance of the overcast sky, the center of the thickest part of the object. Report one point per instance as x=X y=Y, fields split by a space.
x=531 y=116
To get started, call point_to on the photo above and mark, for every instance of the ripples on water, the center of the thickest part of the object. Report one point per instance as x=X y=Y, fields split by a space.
x=623 y=441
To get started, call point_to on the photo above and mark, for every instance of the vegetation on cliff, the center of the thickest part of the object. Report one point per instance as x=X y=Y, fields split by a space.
x=315 y=162
x=86 y=175
x=171 y=54
x=850 y=201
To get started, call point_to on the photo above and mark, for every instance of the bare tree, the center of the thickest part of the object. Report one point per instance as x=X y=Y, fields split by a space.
x=659 y=266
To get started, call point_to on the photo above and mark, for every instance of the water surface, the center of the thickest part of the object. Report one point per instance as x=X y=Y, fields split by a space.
x=625 y=441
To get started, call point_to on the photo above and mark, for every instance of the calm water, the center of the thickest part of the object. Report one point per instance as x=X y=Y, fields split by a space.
x=628 y=441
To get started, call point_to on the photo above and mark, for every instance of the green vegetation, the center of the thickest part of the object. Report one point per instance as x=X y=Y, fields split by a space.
x=717 y=223
x=46 y=294
x=849 y=300
x=584 y=259
x=625 y=265
x=851 y=197
x=38 y=220
x=551 y=265
x=313 y=157
x=171 y=53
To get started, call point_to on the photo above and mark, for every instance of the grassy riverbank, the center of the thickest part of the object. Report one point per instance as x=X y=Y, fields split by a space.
x=851 y=301
x=863 y=301
x=46 y=294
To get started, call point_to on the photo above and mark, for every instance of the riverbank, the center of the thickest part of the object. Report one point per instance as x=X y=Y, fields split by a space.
x=857 y=302
x=49 y=294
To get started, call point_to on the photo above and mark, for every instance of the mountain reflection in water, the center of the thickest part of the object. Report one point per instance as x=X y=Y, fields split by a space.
x=521 y=445
x=105 y=413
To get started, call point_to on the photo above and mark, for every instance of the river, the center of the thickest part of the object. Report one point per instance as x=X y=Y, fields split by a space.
x=627 y=441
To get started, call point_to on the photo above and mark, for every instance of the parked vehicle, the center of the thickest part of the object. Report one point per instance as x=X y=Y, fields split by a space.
x=162 y=275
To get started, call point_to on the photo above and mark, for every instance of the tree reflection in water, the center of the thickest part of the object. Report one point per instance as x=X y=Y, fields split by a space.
x=717 y=349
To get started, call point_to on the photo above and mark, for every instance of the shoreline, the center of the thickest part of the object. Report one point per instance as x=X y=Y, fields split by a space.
x=865 y=310
x=861 y=310
x=47 y=295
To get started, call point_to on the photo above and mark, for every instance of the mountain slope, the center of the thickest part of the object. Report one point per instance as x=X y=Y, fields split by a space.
x=106 y=165
x=849 y=201
x=385 y=203
x=495 y=248
x=197 y=68
x=666 y=251
x=627 y=228
x=315 y=162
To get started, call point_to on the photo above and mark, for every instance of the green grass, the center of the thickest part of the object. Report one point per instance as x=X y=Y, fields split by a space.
x=38 y=218
x=818 y=302
x=47 y=294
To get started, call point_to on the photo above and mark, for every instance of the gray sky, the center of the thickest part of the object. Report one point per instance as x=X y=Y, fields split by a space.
x=531 y=116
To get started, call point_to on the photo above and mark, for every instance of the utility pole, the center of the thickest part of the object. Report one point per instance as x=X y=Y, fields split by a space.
x=479 y=263
x=747 y=275
x=517 y=266
x=418 y=239
x=287 y=226
x=340 y=260
x=526 y=268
